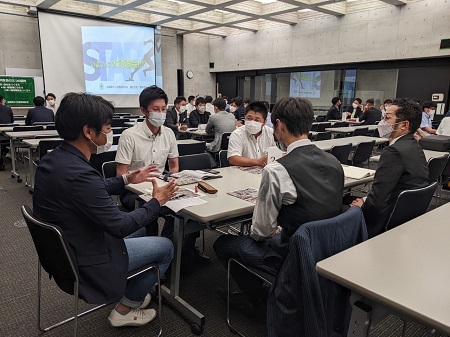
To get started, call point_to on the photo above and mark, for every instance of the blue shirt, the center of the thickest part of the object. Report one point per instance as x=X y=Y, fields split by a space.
x=426 y=120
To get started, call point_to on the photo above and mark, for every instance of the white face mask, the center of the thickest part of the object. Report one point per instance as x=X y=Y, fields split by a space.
x=156 y=119
x=232 y=109
x=354 y=105
x=51 y=102
x=182 y=108
x=253 y=127
x=201 y=109
x=107 y=146
x=385 y=129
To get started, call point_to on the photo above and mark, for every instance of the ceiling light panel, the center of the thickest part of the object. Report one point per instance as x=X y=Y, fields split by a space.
x=273 y=8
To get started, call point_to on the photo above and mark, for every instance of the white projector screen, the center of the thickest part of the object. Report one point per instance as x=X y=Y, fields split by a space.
x=113 y=60
x=305 y=84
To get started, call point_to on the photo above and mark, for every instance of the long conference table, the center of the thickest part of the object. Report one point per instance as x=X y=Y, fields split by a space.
x=403 y=271
x=221 y=209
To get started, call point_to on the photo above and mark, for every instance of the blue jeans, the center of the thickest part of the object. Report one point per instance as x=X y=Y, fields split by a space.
x=143 y=250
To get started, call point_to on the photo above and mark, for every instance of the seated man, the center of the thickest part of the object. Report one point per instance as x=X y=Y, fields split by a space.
x=444 y=127
x=291 y=193
x=354 y=110
x=371 y=115
x=39 y=113
x=428 y=109
x=70 y=193
x=402 y=164
x=176 y=118
x=220 y=122
x=148 y=143
x=334 y=112
x=238 y=110
x=199 y=115
x=249 y=143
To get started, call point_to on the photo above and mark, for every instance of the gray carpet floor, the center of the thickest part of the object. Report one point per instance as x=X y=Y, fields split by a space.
x=18 y=289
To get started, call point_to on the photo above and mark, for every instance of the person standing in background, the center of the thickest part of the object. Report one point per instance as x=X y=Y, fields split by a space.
x=191 y=105
x=50 y=101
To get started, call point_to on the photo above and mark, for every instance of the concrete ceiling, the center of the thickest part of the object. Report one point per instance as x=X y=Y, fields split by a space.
x=212 y=17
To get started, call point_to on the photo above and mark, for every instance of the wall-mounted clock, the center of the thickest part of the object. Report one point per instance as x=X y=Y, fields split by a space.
x=189 y=74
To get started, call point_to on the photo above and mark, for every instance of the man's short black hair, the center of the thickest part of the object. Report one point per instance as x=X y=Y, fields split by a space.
x=429 y=104
x=387 y=101
x=220 y=104
x=370 y=101
x=39 y=101
x=190 y=98
x=1 y=98
x=257 y=106
x=200 y=100
x=359 y=100
x=79 y=109
x=296 y=113
x=335 y=100
x=51 y=95
x=266 y=104
x=150 y=94
x=208 y=99
x=408 y=110
x=236 y=100
x=179 y=99
x=247 y=101
x=225 y=97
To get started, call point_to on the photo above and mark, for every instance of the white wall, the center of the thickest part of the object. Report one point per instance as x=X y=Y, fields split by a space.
x=411 y=31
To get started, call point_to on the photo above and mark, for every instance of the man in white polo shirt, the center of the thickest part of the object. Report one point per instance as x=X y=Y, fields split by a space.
x=148 y=143
x=249 y=143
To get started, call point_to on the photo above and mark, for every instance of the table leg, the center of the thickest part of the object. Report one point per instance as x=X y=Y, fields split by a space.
x=172 y=294
x=31 y=169
x=12 y=149
x=360 y=320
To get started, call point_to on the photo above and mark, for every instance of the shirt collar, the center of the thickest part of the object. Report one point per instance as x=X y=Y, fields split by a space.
x=395 y=139
x=147 y=131
x=298 y=143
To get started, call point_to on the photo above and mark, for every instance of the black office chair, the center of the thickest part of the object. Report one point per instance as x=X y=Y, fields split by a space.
x=225 y=140
x=194 y=162
x=409 y=205
x=323 y=135
x=119 y=122
x=56 y=258
x=342 y=152
x=50 y=127
x=361 y=132
x=44 y=147
x=28 y=128
x=118 y=130
x=97 y=160
x=339 y=124
x=322 y=126
x=223 y=160
x=362 y=154
x=321 y=118
x=44 y=123
x=436 y=168
x=315 y=127
x=191 y=148
x=109 y=169
x=116 y=139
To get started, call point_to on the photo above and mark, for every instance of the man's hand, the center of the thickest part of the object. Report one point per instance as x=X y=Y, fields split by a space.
x=262 y=161
x=357 y=202
x=164 y=193
x=183 y=127
x=239 y=124
x=143 y=174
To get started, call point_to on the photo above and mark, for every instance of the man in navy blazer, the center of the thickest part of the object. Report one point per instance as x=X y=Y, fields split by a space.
x=39 y=113
x=71 y=193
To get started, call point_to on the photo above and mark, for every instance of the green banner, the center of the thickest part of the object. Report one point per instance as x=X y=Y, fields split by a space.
x=17 y=91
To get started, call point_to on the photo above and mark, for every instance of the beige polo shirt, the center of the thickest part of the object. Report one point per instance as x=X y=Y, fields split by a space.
x=139 y=147
x=243 y=144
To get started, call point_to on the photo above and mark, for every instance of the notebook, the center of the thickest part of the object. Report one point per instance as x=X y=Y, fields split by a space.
x=354 y=172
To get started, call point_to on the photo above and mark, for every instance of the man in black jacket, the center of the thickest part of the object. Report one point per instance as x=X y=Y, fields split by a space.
x=199 y=115
x=71 y=193
x=6 y=114
x=371 y=115
x=39 y=113
x=334 y=111
x=402 y=164
x=176 y=118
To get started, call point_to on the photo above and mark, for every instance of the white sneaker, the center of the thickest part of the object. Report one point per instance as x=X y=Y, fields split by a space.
x=136 y=317
x=146 y=302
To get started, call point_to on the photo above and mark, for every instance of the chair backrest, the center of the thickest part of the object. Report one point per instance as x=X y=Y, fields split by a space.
x=362 y=153
x=117 y=130
x=45 y=145
x=50 y=127
x=324 y=303
x=44 y=123
x=191 y=148
x=436 y=167
x=320 y=118
x=225 y=140
x=52 y=247
x=97 y=160
x=223 y=160
x=342 y=152
x=315 y=127
x=361 y=132
x=28 y=128
x=109 y=169
x=409 y=205
x=323 y=135
x=339 y=124
x=322 y=126
x=116 y=139
x=198 y=161
x=119 y=122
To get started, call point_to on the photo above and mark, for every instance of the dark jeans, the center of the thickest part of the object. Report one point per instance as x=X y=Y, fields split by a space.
x=255 y=254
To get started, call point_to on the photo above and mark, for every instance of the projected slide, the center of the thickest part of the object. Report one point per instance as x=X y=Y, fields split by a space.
x=118 y=60
x=305 y=84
